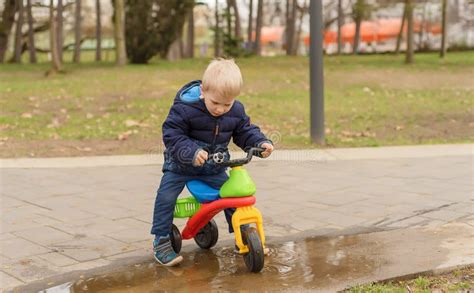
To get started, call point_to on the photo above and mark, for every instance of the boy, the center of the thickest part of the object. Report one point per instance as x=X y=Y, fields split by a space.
x=202 y=120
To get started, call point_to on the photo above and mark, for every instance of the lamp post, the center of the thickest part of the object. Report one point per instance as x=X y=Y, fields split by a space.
x=316 y=72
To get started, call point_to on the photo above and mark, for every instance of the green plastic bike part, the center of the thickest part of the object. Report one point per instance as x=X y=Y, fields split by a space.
x=186 y=207
x=239 y=184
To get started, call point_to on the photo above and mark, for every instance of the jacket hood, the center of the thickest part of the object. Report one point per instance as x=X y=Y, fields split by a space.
x=189 y=93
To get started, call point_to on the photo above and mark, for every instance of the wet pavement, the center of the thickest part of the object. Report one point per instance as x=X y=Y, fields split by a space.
x=72 y=220
x=316 y=264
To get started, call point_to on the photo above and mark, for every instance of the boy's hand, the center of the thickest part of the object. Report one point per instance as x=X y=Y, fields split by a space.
x=268 y=149
x=201 y=158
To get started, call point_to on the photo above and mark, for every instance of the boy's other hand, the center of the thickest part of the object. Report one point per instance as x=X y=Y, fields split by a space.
x=268 y=149
x=201 y=158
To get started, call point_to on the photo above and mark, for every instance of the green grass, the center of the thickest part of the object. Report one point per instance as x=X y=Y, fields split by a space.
x=369 y=100
x=455 y=281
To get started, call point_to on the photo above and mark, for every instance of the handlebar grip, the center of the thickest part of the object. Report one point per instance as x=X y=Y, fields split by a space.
x=256 y=151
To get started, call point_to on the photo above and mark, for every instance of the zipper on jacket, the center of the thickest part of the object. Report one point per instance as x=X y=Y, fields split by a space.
x=216 y=133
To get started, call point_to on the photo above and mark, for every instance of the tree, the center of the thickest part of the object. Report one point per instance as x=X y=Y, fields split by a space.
x=250 y=29
x=237 y=27
x=55 y=61
x=31 y=37
x=339 y=26
x=217 y=39
x=119 y=32
x=98 y=32
x=190 y=34
x=258 y=45
x=77 y=33
x=8 y=18
x=228 y=17
x=358 y=11
x=18 y=33
x=443 y=49
x=59 y=29
x=291 y=28
x=296 y=42
x=400 y=33
x=152 y=27
x=409 y=52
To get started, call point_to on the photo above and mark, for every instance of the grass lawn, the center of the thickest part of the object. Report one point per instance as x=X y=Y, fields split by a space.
x=456 y=281
x=98 y=108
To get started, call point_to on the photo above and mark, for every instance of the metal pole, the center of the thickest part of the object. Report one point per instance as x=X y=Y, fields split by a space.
x=316 y=72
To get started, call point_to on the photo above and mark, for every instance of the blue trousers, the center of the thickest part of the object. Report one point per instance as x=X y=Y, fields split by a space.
x=171 y=186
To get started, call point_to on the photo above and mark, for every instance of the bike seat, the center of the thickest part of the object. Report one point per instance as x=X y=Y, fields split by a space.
x=202 y=192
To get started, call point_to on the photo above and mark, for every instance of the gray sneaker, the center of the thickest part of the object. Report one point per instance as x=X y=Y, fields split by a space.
x=164 y=253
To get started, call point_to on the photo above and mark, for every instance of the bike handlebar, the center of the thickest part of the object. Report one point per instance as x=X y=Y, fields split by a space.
x=218 y=158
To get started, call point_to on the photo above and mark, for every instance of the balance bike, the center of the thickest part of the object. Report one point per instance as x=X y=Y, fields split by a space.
x=237 y=192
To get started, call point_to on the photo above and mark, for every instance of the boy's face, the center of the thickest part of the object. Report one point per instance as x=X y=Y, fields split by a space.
x=217 y=105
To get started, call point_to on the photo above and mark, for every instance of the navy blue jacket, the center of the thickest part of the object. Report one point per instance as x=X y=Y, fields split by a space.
x=190 y=128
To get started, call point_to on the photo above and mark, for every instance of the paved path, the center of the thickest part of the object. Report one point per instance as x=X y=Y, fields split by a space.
x=81 y=214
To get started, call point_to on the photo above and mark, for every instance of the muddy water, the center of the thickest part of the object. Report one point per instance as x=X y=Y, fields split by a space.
x=311 y=263
x=324 y=264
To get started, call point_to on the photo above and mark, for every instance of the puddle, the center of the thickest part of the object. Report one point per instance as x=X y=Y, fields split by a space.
x=316 y=264
x=311 y=263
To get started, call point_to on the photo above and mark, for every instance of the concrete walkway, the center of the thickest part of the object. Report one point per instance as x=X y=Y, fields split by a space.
x=70 y=216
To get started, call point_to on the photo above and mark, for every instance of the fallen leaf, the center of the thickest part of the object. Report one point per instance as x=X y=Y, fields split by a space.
x=131 y=123
x=54 y=136
x=26 y=115
x=86 y=149
x=124 y=135
x=54 y=123
x=89 y=116
x=64 y=111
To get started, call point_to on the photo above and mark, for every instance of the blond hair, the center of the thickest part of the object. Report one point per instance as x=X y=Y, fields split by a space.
x=222 y=77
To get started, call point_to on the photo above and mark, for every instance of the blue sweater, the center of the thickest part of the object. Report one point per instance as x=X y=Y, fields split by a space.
x=190 y=128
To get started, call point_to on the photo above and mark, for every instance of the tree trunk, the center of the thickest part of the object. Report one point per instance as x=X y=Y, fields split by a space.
x=443 y=49
x=237 y=28
x=296 y=41
x=258 y=45
x=400 y=34
x=18 y=33
x=77 y=33
x=217 y=39
x=409 y=52
x=59 y=29
x=358 y=20
x=98 y=32
x=8 y=18
x=190 y=35
x=31 y=36
x=250 y=28
x=287 y=25
x=290 y=37
x=229 y=18
x=422 y=27
x=121 y=55
x=339 y=26
x=55 y=61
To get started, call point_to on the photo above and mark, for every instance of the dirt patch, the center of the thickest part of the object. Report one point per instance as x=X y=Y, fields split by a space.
x=72 y=148
x=414 y=80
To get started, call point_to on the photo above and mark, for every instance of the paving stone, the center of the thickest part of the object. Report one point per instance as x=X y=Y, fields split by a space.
x=444 y=214
x=30 y=269
x=91 y=248
x=44 y=236
x=7 y=281
x=16 y=248
x=57 y=259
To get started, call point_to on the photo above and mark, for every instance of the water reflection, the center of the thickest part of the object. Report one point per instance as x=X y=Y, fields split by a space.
x=312 y=263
